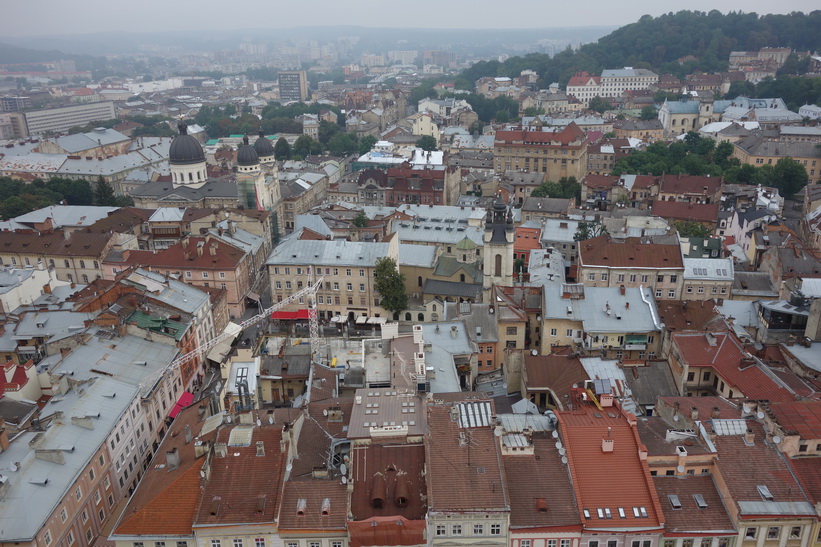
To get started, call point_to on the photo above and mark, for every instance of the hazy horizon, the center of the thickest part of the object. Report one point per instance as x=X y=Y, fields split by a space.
x=26 y=19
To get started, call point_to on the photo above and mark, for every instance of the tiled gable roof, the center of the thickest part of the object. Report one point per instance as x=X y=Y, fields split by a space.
x=679 y=210
x=630 y=252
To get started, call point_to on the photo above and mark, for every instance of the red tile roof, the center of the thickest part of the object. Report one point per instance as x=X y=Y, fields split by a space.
x=570 y=134
x=69 y=245
x=689 y=184
x=808 y=472
x=608 y=480
x=628 y=253
x=725 y=357
x=319 y=494
x=802 y=417
x=679 y=210
x=540 y=481
x=166 y=501
x=216 y=255
x=582 y=78
x=244 y=487
x=462 y=475
x=555 y=372
x=318 y=432
x=388 y=470
x=689 y=517
x=600 y=182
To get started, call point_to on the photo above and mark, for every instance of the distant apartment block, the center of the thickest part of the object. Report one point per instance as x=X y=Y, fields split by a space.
x=12 y=104
x=293 y=85
x=61 y=119
x=615 y=82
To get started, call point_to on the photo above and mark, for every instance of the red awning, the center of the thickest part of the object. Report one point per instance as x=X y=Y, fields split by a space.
x=184 y=400
x=290 y=315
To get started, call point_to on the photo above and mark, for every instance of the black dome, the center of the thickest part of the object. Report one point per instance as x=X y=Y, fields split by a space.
x=185 y=149
x=263 y=146
x=247 y=156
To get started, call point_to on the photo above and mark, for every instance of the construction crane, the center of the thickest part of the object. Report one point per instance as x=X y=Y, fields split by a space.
x=313 y=326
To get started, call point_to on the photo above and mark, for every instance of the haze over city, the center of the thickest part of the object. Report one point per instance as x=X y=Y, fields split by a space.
x=90 y=16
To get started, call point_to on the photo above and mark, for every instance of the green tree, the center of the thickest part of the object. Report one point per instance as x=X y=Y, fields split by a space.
x=366 y=144
x=426 y=143
x=789 y=176
x=599 y=105
x=390 y=284
x=282 y=150
x=360 y=220
x=343 y=144
x=649 y=112
x=689 y=228
x=304 y=146
x=589 y=230
x=103 y=192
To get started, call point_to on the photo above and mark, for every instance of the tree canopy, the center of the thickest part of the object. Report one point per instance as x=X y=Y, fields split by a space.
x=567 y=187
x=18 y=197
x=390 y=284
x=426 y=143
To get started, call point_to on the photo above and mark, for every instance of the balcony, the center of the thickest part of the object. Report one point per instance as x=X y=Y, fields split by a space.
x=635 y=342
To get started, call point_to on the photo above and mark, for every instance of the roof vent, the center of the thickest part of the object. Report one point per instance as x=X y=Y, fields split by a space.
x=301 y=506
x=326 y=507
x=702 y=504
x=765 y=492
x=607 y=445
x=260 y=448
x=674 y=501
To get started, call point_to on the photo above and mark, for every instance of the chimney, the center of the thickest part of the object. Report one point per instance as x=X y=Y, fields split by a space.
x=454 y=331
x=199 y=250
x=607 y=445
x=326 y=507
x=716 y=413
x=200 y=448
x=749 y=437
x=260 y=448
x=301 y=507
x=172 y=459
x=693 y=413
x=212 y=249
x=622 y=290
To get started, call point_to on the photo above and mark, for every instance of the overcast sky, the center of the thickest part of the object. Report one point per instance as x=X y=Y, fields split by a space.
x=30 y=18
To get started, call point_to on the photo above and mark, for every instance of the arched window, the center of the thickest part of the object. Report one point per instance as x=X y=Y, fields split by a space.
x=85 y=279
x=497 y=270
x=66 y=263
x=51 y=263
x=407 y=316
x=82 y=263
x=199 y=175
x=462 y=278
x=96 y=265
x=421 y=316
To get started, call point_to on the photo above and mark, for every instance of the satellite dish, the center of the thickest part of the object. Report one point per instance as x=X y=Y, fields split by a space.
x=344 y=480
x=270 y=420
x=498 y=432
x=534 y=353
x=680 y=469
x=346 y=459
x=344 y=469
x=289 y=467
x=562 y=452
x=324 y=411
x=675 y=418
x=259 y=422
x=555 y=434
x=759 y=415
x=559 y=444
x=777 y=439
x=564 y=460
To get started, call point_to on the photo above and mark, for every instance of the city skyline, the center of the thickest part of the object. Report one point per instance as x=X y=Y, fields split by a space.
x=29 y=19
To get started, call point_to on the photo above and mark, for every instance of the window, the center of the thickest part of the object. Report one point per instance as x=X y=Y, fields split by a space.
x=511 y=330
x=701 y=290
x=687 y=543
x=84 y=516
x=70 y=538
x=478 y=529
x=750 y=532
x=551 y=543
x=593 y=543
x=89 y=535
x=495 y=529
x=795 y=532
x=336 y=544
x=441 y=530
x=773 y=532
x=349 y=287
x=612 y=543
x=604 y=277
x=259 y=542
x=554 y=332
x=313 y=544
x=47 y=537
x=97 y=497
x=620 y=278
x=237 y=542
x=658 y=293
x=569 y=333
x=645 y=278
x=78 y=494
x=669 y=543
x=564 y=543
x=216 y=543
x=292 y=544
x=101 y=514
x=182 y=544
x=456 y=529
x=526 y=542
x=63 y=515
x=632 y=278
x=348 y=272
x=671 y=293
x=222 y=275
x=591 y=277
x=659 y=279
x=706 y=542
x=673 y=278
x=159 y=544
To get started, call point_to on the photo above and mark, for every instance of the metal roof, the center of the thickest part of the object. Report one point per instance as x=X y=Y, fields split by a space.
x=327 y=253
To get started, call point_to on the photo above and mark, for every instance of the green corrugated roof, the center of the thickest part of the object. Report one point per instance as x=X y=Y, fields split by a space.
x=466 y=244
x=212 y=142
x=157 y=324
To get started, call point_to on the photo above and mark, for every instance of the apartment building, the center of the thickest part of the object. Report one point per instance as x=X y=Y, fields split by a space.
x=557 y=153
x=57 y=120
x=614 y=82
x=293 y=85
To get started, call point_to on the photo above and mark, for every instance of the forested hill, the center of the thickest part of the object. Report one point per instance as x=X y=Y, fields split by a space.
x=658 y=42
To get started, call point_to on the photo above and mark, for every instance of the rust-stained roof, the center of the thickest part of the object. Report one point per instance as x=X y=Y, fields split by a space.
x=123 y=220
x=216 y=255
x=608 y=479
x=628 y=253
x=693 y=212
x=325 y=507
x=808 y=472
x=686 y=316
x=689 y=517
x=464 y=471
x=379 y=531
x=801 y=417
x=690 y=184
x=389 y=472
x=74 y=244
x=744 y=467
x=557 y=373
x=540 y=490
x=570 y=134
x=244 y=487
x=166 y=501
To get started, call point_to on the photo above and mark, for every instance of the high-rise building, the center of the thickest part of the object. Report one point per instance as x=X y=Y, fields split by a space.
x=63 y=118
x=293 y=85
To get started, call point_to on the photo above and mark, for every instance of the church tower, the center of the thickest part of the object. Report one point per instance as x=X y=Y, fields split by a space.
x=499 y=238
x=186 y=160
